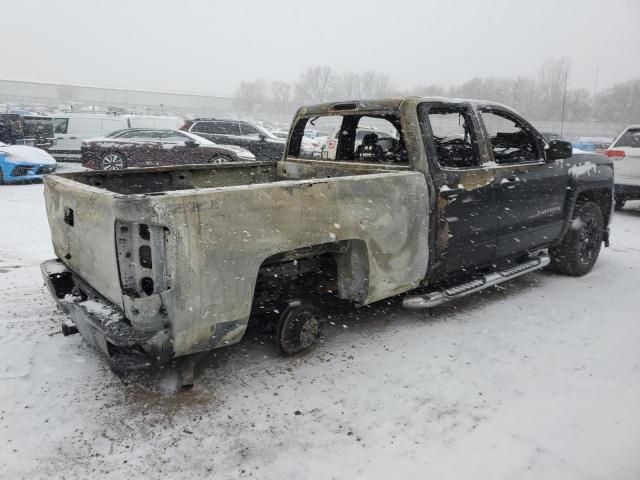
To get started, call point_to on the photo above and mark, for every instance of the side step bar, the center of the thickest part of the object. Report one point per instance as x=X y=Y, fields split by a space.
x=433 y=299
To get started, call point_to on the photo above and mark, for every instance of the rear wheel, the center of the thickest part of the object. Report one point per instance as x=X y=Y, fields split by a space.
x=1 y=177
x=619 y=203
x=113 y=161
x=579 y=250
x=299 y=326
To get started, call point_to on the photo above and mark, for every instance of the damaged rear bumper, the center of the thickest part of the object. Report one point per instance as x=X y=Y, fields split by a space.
x=101 y=323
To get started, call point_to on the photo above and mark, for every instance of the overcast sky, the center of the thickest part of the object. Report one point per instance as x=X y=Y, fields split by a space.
x=210 y=46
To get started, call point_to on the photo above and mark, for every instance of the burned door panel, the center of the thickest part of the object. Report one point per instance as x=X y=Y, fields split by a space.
x=466 y=204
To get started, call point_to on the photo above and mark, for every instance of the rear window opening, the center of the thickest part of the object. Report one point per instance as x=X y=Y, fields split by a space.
x=363 y=138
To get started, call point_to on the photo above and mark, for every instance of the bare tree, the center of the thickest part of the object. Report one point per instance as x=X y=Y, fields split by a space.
x=251 y=95
x=551 y=81
x=316 y=84
x=375 y=84
x=429 y=91
x=281 y=97
x=349 y=86
x=537 y=99
x=620 y=103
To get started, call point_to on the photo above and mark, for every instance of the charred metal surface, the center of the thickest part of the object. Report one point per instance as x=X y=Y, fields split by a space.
x=178 y=250
x=217 y=239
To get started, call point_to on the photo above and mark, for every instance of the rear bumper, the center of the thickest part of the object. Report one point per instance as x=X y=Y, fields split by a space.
x=101 y=323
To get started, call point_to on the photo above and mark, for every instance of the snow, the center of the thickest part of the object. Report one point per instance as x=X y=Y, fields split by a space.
x=26 y=154
x=582 y=169
x=538 y=378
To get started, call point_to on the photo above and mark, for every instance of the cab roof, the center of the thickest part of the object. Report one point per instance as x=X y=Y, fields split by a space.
x=390 y=104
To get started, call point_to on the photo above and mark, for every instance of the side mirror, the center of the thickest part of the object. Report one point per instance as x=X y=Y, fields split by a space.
x=191 y=143
x=559 y=149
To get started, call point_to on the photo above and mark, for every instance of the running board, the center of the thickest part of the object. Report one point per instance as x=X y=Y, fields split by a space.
x=433 y=299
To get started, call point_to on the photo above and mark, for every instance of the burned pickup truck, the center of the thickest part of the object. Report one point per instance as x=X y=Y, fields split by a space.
x=440 y=199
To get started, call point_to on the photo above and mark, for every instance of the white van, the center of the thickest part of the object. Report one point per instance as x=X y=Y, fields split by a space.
x=70 y=129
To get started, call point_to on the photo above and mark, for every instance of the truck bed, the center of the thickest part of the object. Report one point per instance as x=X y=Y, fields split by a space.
x=189 y=241
x=166 y=179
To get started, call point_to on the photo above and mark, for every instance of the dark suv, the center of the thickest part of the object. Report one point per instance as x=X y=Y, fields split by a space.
x=259 y=141
x=31 y=130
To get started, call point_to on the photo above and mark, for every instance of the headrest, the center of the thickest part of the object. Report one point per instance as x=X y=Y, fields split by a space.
x=370 y=139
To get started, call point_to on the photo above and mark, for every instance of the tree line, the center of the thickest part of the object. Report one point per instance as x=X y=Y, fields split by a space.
x=538 y=98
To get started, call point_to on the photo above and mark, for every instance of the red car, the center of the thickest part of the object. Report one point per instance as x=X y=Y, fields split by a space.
x=141 y=147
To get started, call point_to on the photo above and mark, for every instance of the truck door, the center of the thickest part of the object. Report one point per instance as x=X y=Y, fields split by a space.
x=531 y=192
x=466 y=205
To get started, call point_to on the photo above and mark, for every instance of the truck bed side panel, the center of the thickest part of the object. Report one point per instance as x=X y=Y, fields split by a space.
x=222 y=238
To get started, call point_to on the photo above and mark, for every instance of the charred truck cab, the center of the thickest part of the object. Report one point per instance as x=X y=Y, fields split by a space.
x=448 y=195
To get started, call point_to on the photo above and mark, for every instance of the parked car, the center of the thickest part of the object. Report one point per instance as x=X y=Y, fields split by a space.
x=141 y=147
x=279 y=133
x=259 y=141
x=31 y=130
x=312 y=147
x=332 y=140
x=21 y=163
x=592 y=144
x=465 y=195
x=70 y=129
x=625 y=149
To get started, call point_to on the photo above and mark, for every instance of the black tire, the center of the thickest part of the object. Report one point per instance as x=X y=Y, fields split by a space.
x=619 y=203
x=1 y=177
x=113 y=161
x=579 y=250
x=299 y=326
x=220 y=158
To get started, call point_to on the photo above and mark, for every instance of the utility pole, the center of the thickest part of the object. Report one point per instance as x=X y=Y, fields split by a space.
x=564 y=101
x=595 y=91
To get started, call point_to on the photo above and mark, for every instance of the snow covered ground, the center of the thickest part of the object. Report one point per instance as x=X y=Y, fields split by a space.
x=537 y=379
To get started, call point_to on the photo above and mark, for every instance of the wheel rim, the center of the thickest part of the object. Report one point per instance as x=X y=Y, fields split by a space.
x=589 y=241
x=112 y=161
x=299 y=332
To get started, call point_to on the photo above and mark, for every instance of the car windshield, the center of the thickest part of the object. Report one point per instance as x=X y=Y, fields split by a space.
x=116 y=133
x=197 y=138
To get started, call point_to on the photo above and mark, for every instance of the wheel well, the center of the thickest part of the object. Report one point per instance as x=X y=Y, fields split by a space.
x=339 y=269
x=601 y=197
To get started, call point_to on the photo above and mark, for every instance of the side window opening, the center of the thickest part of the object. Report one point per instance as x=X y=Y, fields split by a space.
x=357 y=138
x=249 y=131
x=229 y=128
x=511 y=140
x=202 y=127
x=216 y=128
x=453 y=137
